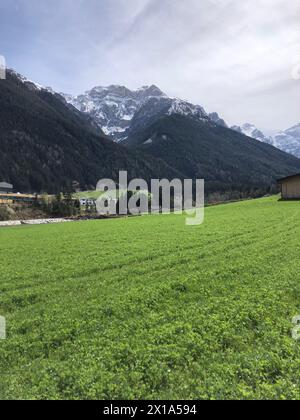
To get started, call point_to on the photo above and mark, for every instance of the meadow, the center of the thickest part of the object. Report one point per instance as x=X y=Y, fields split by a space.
x=94 y=195
x=148 y=308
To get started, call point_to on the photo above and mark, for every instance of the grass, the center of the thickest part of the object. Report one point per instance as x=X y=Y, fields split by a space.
x=149 y=308
x=94 y=195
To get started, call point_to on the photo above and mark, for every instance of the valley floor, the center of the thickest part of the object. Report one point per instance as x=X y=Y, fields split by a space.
x=148 y=308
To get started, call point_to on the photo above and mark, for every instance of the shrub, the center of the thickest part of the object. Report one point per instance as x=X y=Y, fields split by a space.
x=6 y=213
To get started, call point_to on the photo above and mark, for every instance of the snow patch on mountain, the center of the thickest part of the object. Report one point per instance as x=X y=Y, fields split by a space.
x=29 y=83
x=113 y=107
x=289 y=140
x=251 y=131
x=178 y=106
x=119 y=112
x=117 y=109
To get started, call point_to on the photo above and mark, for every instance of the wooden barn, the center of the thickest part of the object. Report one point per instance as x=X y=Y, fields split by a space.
x=290 y=187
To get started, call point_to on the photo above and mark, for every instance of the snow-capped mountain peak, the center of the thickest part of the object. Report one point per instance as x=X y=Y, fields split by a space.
x=179 y=106
x=155 y=108
x=251 y=130
x=119 y=110
x=293 y=131
x=289 y=140
x=113 y=107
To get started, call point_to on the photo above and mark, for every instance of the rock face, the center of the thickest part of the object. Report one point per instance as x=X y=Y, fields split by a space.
x=289 y=140
x=156 y=108
x=119 y=111
x=113 y=107
x=217 y=119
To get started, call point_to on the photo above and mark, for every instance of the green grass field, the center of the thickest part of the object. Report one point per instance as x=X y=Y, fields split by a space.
x=149 y=308
x=87 y=194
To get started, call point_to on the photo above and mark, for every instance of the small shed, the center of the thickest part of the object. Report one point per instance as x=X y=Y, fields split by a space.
x=6 y=188
x=290 y=187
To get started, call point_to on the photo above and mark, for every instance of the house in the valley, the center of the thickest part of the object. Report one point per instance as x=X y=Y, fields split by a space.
x=87 y=202
x=290 y=187
x=6 y=188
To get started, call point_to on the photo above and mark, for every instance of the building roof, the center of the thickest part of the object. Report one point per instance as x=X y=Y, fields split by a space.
x=11 y=196
x=288 y=177
x=6 y=185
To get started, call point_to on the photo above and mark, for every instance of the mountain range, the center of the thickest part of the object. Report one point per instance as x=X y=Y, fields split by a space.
x=50 y=141
x=287 y=140
x=229 y=162
x=46 y=144
x=119 y=111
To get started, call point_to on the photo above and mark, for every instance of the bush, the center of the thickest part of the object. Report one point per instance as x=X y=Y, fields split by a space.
x=61 y=206
x=6 y=213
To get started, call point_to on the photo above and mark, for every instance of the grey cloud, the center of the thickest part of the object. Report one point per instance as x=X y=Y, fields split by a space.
x=231 y=56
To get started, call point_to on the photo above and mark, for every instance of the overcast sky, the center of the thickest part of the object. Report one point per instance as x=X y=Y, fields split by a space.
x=231 y=56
